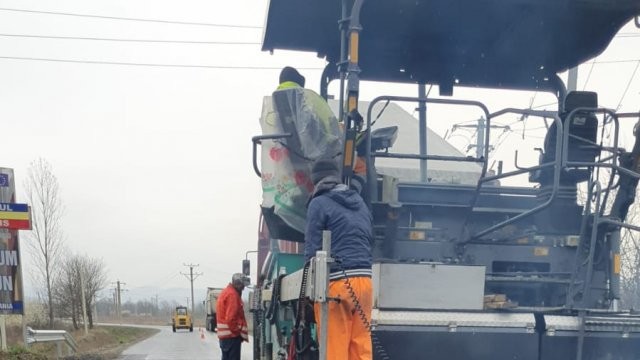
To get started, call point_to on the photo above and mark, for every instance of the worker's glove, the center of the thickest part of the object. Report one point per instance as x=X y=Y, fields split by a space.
x=357 y=119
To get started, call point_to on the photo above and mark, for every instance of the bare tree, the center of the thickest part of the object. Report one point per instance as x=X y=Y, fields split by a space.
x=67 y=291
x=106 y=306
x=630 y=272
x=46 y=237
x=95 y=276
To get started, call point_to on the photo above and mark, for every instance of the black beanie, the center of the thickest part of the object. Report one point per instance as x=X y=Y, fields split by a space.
x=322 y=169
x=291 y=74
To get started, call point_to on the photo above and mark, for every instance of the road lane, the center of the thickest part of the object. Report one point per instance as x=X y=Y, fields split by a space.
x=181 y=345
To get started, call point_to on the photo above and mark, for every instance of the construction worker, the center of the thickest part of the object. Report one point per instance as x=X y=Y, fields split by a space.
x=335 y=207
x=325 y=135
x=330 y=132
x=232 y=325
x=314 y=134
x=291 y=78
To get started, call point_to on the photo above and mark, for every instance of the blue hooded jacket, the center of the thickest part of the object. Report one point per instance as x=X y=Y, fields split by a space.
x=343 y=212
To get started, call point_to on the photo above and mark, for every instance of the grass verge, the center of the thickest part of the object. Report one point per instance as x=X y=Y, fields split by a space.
x=102 y=343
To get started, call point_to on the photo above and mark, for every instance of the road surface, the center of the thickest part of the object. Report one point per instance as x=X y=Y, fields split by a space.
x=181 y=345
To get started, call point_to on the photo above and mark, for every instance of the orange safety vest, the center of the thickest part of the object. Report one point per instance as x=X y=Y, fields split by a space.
x=230 y=315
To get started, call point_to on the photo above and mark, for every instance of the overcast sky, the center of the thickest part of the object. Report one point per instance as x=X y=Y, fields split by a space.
x=154 y=163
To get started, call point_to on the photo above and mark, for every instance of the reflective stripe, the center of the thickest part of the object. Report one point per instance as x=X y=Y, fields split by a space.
x=224 y=333
x=223 y=326
x=337 y=275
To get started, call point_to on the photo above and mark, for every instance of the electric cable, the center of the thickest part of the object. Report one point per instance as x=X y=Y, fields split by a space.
x=620 y=61
x=101 y=62
x=130 y=40
x=593 y=64
x=628 y=85
x=130 y=19
x=628 y=35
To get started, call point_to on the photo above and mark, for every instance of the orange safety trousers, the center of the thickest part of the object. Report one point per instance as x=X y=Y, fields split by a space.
x=348 y=336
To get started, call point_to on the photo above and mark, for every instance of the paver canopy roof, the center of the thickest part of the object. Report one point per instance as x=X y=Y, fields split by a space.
x=487 y=43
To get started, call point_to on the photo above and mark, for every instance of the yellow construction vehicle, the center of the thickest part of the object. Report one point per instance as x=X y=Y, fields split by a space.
x=181 y=319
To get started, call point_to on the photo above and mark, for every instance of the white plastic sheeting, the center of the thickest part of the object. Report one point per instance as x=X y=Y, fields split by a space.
x=286 y=163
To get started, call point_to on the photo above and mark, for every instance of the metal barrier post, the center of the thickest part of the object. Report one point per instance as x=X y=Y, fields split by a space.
x=57 y=336
x=3 y=332
x=322 y=291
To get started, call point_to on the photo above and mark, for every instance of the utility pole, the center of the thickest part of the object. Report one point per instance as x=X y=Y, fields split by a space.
x=84 y=303
x=95 y=308
x=481 y=127
x=118 y=298
x=157 y=309
x=191 y=277
x=115 y=301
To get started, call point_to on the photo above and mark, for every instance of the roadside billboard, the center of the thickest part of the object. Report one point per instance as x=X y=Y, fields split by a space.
x=11 y=290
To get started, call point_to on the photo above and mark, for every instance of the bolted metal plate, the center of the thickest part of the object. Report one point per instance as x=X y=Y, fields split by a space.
x=428 y=286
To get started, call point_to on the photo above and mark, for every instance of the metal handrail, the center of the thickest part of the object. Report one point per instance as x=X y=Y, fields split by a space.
x=57 y=336
x=370 y=155
x=566 y=163
x=587 y=283
x=258 y=140
x=556 y=176
x=383 y=154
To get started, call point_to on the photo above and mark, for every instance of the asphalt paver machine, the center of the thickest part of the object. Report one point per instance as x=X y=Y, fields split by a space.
x=475 y=270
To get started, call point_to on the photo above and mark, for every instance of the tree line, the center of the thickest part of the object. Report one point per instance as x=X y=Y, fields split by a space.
x=151 y=308
x=59 y=274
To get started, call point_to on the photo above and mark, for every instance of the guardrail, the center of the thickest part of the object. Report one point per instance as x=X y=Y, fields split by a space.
x=57 y=336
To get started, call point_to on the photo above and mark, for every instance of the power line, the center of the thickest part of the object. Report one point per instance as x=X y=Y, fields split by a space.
x=217 y=66
x=100 y=62
x=628 y=35
x=616 y=61
x=131 y=40
x=131 y=19
x=593 y=64
x=628 y=85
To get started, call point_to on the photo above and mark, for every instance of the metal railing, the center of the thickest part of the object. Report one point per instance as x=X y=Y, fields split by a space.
x=57 y=336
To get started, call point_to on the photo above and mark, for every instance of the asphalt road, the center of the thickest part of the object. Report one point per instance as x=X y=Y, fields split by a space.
x=181 y=345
